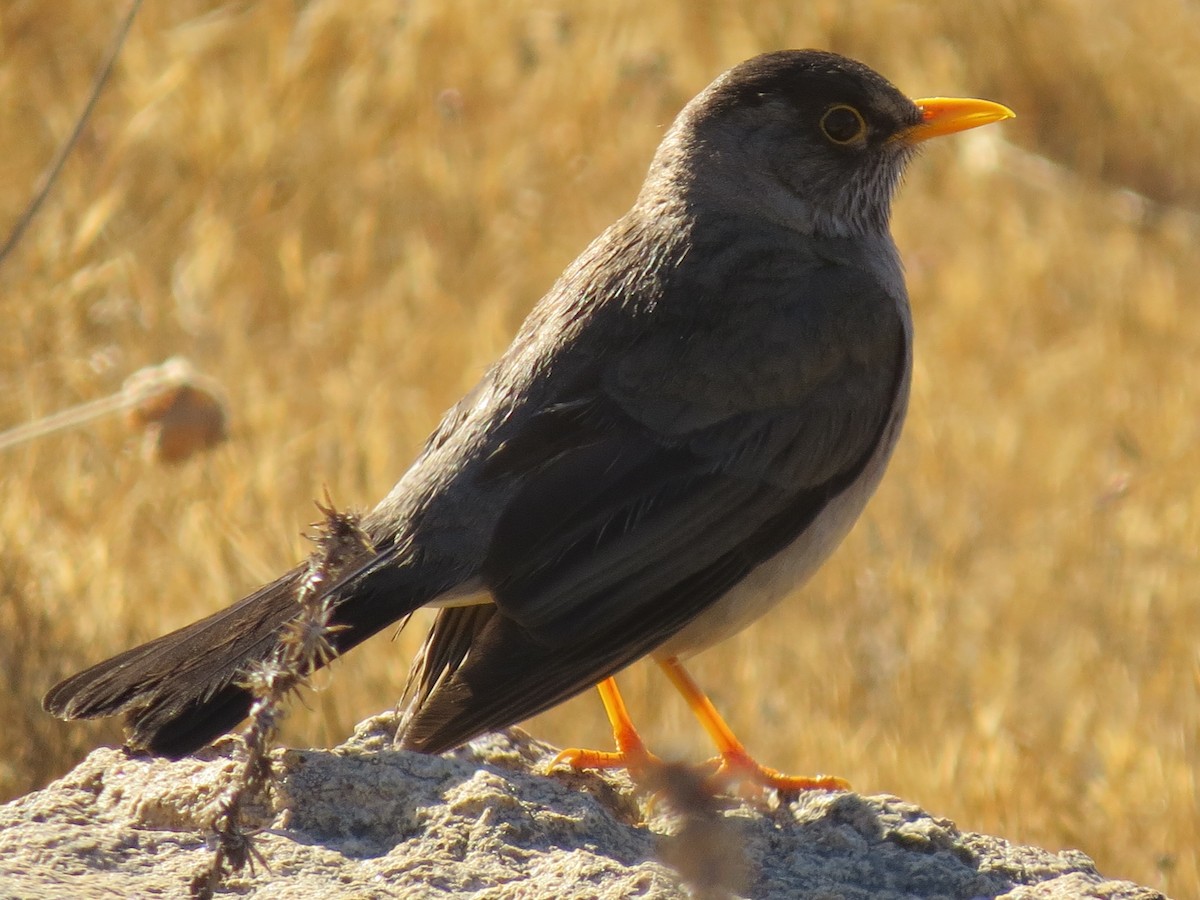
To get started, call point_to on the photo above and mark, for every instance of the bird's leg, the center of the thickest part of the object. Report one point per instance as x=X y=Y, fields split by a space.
x=631 y=752
x=735 y=763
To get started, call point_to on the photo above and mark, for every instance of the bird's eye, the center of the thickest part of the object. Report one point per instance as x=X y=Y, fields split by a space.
x=843 y=124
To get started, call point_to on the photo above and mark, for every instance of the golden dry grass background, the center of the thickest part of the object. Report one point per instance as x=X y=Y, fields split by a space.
x=342 y=210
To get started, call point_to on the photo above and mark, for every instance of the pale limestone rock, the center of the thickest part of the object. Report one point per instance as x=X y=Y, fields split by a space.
x=367 y=821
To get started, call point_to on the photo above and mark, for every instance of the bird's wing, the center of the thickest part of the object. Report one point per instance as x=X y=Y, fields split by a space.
x=649 y=490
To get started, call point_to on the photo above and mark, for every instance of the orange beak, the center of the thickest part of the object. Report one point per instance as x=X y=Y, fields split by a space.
x=946 y=115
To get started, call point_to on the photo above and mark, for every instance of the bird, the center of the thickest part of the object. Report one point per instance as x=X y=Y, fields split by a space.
x=683 y=429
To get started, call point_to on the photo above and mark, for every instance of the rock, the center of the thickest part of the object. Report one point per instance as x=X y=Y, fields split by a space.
x=366 y=821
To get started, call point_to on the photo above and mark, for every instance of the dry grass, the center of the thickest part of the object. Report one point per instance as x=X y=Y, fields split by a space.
x=342 y=211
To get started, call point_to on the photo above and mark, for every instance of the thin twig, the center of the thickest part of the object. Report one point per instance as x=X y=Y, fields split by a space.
x=51 y=174
x=68 y=418
x=183 y=409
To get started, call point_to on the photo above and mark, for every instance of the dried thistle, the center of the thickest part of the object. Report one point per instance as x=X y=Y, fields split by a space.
x=304 y=645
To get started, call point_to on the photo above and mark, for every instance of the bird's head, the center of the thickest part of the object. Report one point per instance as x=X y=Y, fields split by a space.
x=809 y=139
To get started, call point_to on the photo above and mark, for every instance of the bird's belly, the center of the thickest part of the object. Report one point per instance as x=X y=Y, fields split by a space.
x=789 y=569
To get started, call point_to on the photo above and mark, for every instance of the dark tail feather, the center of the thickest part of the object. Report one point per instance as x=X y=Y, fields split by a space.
x=182 y=690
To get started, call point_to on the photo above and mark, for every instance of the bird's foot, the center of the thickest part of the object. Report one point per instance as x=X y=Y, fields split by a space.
x=736 y=767
x=629 y=755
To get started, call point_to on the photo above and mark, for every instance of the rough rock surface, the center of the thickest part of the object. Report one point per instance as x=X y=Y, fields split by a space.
x=366 y=821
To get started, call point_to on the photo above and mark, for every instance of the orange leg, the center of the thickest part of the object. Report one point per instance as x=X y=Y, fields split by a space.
x=631 y=752
x=735 y=763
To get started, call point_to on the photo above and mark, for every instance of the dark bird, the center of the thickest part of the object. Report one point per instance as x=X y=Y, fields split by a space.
x=684 y=428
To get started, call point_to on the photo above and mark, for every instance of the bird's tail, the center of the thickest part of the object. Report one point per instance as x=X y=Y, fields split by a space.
x=183 y=690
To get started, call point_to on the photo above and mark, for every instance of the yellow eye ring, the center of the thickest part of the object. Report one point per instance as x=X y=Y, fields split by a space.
x=843 y=125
